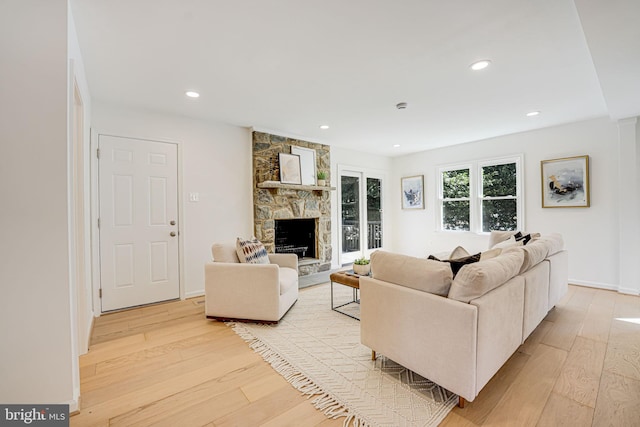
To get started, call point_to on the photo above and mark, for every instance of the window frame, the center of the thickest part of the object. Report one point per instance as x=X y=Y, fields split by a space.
x=476 y=192
x=442 y=200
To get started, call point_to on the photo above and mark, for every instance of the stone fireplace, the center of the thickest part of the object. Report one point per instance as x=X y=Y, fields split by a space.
x=286 y=204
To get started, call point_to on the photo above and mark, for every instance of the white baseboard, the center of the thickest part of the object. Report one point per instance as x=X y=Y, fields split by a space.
x=629 y=291
x=74 y=404
x=594 y=284
x=193 y=294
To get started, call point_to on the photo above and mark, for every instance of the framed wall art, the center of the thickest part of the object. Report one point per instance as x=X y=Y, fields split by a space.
x=412 y=192
x=307 y=164
x=290 y=168
x=565 y=182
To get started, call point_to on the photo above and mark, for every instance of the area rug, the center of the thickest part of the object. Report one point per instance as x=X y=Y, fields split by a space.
x=318 y=351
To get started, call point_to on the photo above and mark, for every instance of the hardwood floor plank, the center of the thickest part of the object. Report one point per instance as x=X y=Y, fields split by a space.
x=560 y=411
x=618 y=403
x=175 y=403
x=623 y=358
x=198 y=414
x=580 y=376
x=264 y=386
x=565 y=328
x=262 y=410
x=476 y=412
x=300 y=415
x=525 y=399
x=536 y=337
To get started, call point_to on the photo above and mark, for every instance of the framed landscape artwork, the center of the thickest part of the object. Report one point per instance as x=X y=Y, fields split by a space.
x=565 y=182
x=413 y=192
x=290 y=169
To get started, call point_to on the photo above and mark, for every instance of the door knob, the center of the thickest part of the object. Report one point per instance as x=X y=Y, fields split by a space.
x=172 y=234
x=172 y=222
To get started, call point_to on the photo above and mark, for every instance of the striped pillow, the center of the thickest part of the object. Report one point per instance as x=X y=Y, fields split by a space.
x=251 y=251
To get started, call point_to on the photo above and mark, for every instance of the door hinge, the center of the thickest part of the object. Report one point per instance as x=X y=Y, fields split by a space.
x=98 y=152
x=98 y=222
x=100 y=292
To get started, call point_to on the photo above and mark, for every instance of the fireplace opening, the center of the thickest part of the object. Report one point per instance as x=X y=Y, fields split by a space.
x=296 y=236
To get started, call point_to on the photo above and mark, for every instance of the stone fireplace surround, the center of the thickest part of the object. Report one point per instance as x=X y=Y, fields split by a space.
x=290 y=202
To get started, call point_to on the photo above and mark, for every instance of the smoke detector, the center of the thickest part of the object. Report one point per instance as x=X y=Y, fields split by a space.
x=401 y=105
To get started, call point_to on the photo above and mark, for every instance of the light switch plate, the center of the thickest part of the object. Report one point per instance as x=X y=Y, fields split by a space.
x=194 y=197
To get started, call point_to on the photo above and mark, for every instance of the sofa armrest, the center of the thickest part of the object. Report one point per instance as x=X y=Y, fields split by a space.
x=284 y=260
x=432 y=335
x=243 y=291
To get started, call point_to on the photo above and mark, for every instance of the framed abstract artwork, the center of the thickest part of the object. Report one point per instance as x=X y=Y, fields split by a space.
x=565 y=182
x=412 y=192
x=290 y=169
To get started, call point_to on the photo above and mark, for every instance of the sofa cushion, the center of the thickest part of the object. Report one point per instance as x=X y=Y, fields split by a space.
x=475 y=280
x=554 y=241
x=533 y=253
x=510 y=242
x=417 y=273
x=491 y=253
x=459 y=252
x=224 y=252
x=288 y=279
x=251 y=251
x=498 y=236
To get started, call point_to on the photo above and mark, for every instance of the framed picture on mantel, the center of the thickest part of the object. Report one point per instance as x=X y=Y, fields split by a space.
x=290 y=169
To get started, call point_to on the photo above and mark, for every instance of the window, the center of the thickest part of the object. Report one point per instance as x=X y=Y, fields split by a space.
x=456 y=198
x=494 y=204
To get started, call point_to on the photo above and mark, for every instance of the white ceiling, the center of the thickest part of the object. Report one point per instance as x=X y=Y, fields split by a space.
x=288 y=66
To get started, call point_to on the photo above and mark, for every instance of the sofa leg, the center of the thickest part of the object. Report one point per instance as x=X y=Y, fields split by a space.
x=461 y=401
x=373 y=355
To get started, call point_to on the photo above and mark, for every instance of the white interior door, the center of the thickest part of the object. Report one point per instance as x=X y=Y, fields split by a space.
x=138 y=185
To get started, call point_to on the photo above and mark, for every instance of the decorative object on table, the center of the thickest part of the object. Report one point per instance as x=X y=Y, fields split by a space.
x=290 y=168
x=307 y=164
x=565 y=182
x=361 y=266
x=319 y=352
x=322 y=176
x=413 y=192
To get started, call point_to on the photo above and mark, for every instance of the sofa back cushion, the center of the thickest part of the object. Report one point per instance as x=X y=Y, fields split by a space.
x=224 y=252
x=417 y=273
x=475 y=280
x=534 y=253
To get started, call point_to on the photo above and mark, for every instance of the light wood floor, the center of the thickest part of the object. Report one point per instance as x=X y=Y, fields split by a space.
x=167 y=365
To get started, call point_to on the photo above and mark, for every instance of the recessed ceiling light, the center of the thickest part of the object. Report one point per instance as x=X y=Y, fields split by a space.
x=192 y=94
x=480 y=65
x=532 y=113
x=324 y=126
x=396 y=145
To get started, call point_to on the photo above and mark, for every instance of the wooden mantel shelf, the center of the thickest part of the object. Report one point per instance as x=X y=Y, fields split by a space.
x=278 y=184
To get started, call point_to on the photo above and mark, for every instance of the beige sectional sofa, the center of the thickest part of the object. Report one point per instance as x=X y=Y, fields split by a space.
x=458 y=331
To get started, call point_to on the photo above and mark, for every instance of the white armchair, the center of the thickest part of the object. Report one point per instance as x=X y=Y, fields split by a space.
x=255 y=292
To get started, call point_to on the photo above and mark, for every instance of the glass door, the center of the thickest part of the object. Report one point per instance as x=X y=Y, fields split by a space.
x=361 y=230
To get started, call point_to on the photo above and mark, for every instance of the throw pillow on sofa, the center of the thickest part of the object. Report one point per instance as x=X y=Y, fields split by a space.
x=458 y=263
x=251 y=251
x=475 y=280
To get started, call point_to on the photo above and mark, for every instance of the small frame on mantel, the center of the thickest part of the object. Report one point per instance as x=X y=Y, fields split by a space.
x=290 y=168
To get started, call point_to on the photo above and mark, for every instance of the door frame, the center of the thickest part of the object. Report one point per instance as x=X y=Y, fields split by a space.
x=364 y=174
x=95 y=212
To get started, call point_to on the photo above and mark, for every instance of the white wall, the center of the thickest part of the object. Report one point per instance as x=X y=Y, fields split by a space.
x=215 y=162
x=35 y=313
x=590 y=234
x=361 y=161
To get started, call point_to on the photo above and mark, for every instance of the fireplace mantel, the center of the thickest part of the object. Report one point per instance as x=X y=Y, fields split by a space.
x=278 y=184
